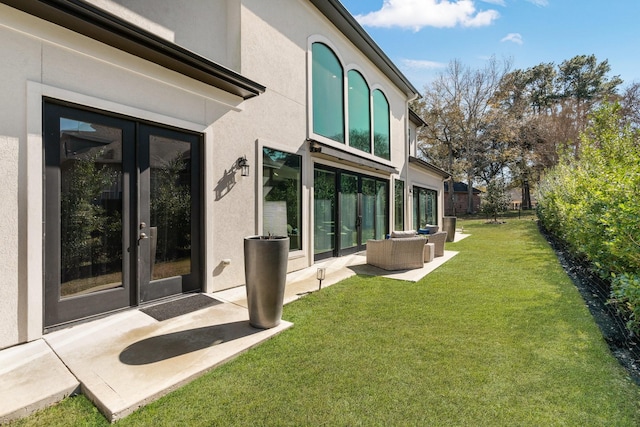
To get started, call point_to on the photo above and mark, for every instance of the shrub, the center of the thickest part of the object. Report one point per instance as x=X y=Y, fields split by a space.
x=589 y=201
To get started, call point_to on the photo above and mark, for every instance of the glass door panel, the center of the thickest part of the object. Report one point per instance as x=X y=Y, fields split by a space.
x=432 y=211
x=422 y=203
x=166 y=229
x=368 y=209
x=382 y=211
x=90 y=208
x=87 y=205
x=324 y=208
x=349 y=220
x=170 y=210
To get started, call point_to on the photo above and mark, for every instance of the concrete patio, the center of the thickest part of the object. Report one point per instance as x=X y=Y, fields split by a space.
x=128 y=359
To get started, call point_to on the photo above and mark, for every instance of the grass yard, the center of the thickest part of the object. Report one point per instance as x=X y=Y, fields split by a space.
x=498 y=336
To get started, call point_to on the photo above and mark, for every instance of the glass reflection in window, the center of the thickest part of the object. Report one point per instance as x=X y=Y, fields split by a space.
x=328 y=96
x=282 y=195
x=359 y=112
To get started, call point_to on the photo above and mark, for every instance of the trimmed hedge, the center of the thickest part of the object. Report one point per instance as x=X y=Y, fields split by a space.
x=591 y=200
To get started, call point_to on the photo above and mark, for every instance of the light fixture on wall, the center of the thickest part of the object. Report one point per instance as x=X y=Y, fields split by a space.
x=243 y=165
x=314 y=147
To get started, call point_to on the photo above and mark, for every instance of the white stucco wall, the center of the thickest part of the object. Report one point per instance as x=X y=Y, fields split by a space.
x=21 y=61
x=41 y=59
x=276 y=37
x=208 y=28
x=9 y=226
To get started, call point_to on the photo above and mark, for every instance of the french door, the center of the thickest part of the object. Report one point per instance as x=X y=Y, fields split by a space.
x=349 y=209
x=122 y=212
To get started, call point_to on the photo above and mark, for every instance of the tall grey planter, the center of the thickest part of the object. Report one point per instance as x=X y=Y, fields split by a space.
x=265 y=271
x=449 y=225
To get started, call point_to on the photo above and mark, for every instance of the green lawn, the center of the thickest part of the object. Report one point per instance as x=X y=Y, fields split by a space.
x=498 y=336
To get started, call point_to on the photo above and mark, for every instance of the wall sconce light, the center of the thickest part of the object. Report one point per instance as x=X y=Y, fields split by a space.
x=314 y=147
x=243 y=164
x=320 y=276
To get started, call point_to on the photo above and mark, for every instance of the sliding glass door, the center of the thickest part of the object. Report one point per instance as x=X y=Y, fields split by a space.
x=349 y=209
x=425 y=207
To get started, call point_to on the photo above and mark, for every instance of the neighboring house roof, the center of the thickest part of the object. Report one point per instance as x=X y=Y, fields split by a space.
x=460 y=187
x=346 y=23
x=416 y=119
x=429 y=167
x=104 y=27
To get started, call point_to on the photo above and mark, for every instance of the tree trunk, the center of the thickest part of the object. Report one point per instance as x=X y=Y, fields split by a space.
x=526 y=196
x=469 y=196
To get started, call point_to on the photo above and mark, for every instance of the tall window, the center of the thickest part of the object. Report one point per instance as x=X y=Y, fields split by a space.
x=282 y=195
x=425 y=207
x=365 y=133
x=381 y=133
x=399 y=205
x=328 y=95
x=359 y=112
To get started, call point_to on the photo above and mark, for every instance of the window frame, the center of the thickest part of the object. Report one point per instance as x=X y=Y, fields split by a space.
x=350 y=114
x=395 y=205
x=346 y=145
x=315 y=102
x=416 y=205
x=302 y=208
x=387 y=125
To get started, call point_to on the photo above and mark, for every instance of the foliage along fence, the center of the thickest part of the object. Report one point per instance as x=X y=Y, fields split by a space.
x=592 y=202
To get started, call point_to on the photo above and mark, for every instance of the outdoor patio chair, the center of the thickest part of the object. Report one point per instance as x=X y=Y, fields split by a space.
x=396 y=254
x=438 y=240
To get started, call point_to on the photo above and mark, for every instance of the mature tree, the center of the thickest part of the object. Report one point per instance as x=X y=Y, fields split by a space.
x=582 y=84
x=496 y=122
x=457 y=108
x=540 y=81
x=630 y=103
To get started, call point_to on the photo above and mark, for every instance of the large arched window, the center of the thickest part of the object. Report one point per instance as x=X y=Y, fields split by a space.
x=328 y=95
x=359 y=112
x=381 y=132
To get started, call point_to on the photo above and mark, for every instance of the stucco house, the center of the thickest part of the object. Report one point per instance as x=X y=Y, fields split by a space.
x=141 y=140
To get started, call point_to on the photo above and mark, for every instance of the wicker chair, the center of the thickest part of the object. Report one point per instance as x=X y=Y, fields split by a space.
x=396 y=254
x=438 y=240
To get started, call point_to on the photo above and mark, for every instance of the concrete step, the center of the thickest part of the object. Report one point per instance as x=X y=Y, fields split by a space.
x=32 y=377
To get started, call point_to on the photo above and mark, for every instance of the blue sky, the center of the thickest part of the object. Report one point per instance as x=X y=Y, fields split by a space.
x=423 y=36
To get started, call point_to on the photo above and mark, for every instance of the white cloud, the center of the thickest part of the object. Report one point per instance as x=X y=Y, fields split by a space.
x=418 y=64
x=539 y=2
x=416 y=14
x=513 y=37
x=498 y=2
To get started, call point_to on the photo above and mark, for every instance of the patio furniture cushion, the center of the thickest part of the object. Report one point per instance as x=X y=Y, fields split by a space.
x=428 y=229
x=438 y=239
x=403 y=234
x=396 y=254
